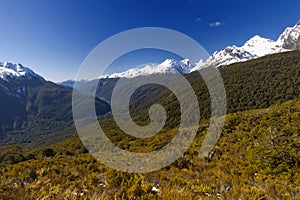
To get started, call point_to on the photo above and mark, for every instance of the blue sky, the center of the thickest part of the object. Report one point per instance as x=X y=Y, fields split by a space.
x=54 y=36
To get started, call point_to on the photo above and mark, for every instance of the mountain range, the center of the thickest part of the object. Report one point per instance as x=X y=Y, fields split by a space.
x=33 y=108
x=255 y=47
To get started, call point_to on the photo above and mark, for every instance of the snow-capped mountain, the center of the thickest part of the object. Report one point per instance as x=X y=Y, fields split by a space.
x=254 y=48
x=16 y=71
x=15 y=77
x=31 y=107
x=169 y=66
x=290 y=38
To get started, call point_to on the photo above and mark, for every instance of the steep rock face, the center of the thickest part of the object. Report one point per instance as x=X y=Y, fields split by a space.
x=290 y=38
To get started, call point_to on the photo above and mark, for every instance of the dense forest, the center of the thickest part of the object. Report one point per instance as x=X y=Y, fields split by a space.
x=253 y=84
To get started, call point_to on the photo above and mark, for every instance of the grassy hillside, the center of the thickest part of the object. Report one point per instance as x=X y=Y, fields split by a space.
x=257 y=157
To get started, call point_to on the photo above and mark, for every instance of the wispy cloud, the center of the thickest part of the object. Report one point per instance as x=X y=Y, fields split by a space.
x=216 y=24
x=197 y=20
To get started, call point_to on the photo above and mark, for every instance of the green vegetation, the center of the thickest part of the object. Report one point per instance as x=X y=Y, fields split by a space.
x=254 y=84
x=257 y=157
x=39 y=118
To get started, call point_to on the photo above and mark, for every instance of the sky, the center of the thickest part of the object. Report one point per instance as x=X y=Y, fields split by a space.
x=53 y=37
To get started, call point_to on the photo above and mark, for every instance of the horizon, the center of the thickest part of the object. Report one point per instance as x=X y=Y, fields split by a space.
x=53 y=38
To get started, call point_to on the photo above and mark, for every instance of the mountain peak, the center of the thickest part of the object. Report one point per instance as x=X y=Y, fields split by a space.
x=169 y=62
x=290 y=38
x=16 y=71
x=14 y=79
x=186 y=61
x=255 y=47
x=257 y=39
x=259 y=46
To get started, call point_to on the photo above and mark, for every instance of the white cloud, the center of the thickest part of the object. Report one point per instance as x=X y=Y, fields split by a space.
x=197 y=20
x=216 y=24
